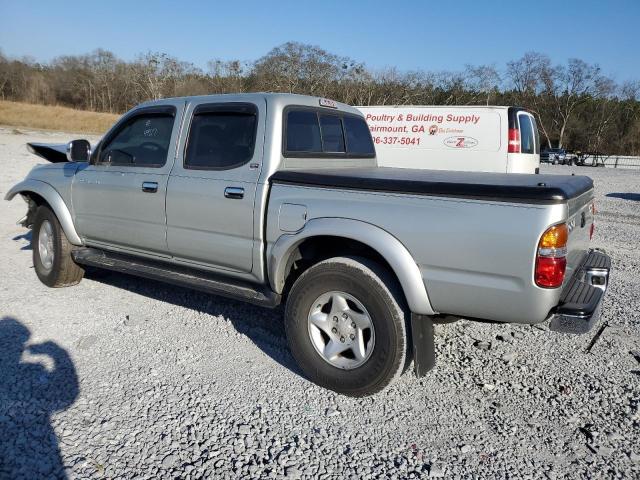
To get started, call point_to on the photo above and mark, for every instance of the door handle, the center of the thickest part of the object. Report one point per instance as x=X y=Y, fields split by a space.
x=150 y=187
x=234 y=192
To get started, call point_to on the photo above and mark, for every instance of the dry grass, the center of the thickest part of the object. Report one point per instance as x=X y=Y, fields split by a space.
x=54 y=118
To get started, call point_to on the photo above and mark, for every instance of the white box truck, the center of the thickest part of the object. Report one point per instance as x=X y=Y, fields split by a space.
x=471 y=138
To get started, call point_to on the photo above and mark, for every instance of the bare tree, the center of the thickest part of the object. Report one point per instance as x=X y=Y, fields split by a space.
x=227 y=76
x=528 y=76
x=483 y=79
x=574 y=104
x=295 y=67
x=568 y=87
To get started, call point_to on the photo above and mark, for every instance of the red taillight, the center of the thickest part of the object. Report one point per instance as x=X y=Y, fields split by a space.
x=551 y=261
x=514 y=140
x=550 y=271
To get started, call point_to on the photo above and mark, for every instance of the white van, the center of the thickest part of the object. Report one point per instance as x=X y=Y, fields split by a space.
x=472 y=138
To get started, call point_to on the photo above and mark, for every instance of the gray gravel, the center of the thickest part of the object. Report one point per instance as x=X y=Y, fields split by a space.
x=125 y=378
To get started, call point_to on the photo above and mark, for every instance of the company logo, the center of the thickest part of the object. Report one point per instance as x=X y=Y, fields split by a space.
x=460 y=142
x=433 y=129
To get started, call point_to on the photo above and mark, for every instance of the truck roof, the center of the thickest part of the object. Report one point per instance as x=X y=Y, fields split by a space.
x=485 y=107
x=275 y=99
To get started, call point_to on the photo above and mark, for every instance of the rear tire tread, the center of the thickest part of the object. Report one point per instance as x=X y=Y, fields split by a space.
x=366 y=274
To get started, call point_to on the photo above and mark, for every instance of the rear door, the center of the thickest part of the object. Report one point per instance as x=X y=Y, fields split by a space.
x=527 y=160
x=212 y=188
x=119 y=197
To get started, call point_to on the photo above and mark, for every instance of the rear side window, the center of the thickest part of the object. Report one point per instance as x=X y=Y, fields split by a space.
x=221 y=137
x=143 y=141
x=527 y=135
x=311 y=132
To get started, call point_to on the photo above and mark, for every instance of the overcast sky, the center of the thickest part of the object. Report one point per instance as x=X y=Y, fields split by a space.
x=429 y=35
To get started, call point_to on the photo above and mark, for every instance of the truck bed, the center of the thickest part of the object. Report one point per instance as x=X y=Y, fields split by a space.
x=521 y=188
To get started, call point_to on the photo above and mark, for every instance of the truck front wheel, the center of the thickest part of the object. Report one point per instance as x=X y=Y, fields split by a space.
x=52 y=251
x=346 y=325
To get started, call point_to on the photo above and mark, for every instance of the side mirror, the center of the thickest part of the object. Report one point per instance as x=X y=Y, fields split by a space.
x=78 y=151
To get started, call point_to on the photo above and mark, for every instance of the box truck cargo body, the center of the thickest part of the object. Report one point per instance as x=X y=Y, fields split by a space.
x=471 y=138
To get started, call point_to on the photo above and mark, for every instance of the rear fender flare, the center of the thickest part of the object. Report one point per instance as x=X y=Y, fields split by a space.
x=54 y=200
x=389 y=247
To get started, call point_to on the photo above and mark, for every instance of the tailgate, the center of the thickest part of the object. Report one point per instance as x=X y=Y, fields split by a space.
x=580 y=219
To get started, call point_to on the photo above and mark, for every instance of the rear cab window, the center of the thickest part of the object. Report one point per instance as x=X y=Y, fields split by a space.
x=312 y=132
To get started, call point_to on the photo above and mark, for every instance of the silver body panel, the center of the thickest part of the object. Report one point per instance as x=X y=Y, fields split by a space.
x=52 y=196
x=472 y=258
x=280 y=246
x=111 y=208
x=475 y=258
x=203 y=225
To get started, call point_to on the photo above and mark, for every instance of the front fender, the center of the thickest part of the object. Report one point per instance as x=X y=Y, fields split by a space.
x=394 y=252
x=55 y=201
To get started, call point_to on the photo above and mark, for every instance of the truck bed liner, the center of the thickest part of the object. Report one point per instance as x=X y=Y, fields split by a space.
x=502 y=187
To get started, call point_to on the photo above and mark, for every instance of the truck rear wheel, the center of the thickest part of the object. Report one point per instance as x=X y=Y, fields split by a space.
x=52 y=252
x=346 y=325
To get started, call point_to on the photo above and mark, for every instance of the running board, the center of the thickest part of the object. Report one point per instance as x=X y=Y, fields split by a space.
x=177 y=275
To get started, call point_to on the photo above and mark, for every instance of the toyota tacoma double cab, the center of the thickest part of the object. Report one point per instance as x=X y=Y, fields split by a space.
x=277 y=198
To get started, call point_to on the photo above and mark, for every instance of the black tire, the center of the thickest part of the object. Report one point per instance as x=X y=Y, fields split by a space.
x=379 y=292
x=63 y=272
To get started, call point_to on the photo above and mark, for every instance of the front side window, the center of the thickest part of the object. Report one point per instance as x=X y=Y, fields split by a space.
x=221 y=139
x=311 y=132
x=527 y=137
x=143 y=141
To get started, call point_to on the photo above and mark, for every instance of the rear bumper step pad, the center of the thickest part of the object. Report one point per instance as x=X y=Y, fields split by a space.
x=580 y=304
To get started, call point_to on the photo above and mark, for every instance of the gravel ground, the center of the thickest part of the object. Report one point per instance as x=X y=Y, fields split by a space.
x=120 y=377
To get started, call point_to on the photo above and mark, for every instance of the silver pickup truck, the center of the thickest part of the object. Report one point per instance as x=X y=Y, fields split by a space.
x=270 y=198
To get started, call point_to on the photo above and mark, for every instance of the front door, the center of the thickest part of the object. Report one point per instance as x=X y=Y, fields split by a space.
x=212 y=187
x=119 y=197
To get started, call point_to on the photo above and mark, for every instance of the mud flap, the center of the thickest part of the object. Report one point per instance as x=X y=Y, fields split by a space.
x=424 y=352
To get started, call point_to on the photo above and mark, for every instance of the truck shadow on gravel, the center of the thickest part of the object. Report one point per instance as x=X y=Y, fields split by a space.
x=27 y=237
x=30 y=393
x=264 y=327
x=635 y=197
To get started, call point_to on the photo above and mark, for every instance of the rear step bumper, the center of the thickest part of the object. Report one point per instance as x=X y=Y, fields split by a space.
x=581 y=300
